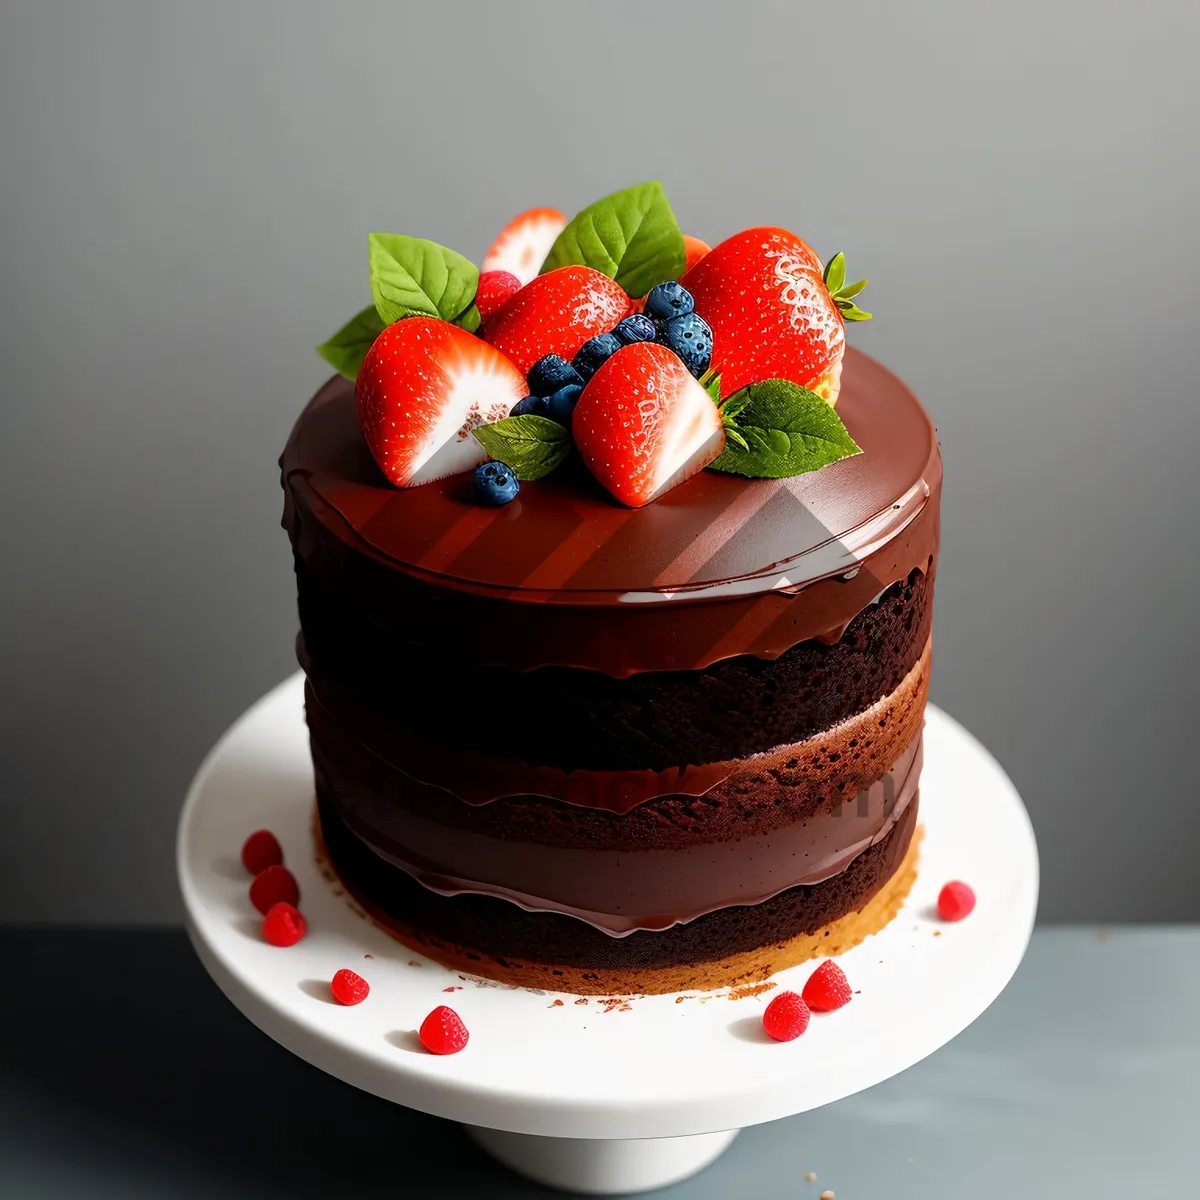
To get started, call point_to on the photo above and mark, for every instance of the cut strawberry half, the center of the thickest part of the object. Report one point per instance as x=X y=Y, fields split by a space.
x=524 y=243
x=424 y=386
x=643 y=424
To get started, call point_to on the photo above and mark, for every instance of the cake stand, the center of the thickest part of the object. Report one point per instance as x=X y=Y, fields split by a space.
x=589 y=1094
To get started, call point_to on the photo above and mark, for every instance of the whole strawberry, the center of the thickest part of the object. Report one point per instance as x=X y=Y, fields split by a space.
x=424 y=386
x=555 y=314
x=764 y=294
x=643 y=424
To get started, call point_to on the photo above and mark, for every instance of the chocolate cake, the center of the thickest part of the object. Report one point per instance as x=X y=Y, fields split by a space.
x=568 y=744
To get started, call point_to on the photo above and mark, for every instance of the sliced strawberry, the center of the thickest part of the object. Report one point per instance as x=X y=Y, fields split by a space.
x=695 y=249
x=644 y=425
x=524 y=243
x=771 y=314
x=424 y=386
x=556 y=314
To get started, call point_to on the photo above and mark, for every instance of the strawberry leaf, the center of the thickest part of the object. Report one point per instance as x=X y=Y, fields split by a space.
x=710 y=381
x=732 y=435
x=411 y=276
x=851 y=289
x=835 y=273
x=631 y=236
x=735 y=403
x=850 y=311
x=787 y=430
x=345 y=351
x=529 y=446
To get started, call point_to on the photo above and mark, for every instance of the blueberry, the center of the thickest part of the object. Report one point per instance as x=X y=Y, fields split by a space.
x=636 y=328
x=495 y=484
x=594 y=353
x=691 y=338
x=549 y=374
x=531 y=406
x=668 y=300
x=561 y=405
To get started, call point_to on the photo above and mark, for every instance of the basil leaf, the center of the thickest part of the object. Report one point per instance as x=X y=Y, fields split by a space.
x=788 y=430
x=631 y=236
x=412 y=276
x=345 y=351
x=529 y=446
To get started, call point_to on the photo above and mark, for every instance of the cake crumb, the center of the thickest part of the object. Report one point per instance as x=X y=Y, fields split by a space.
x=557 y=1004
x=368 y=956
x=680 y=999
x=937 y=933
x=582 y=1000
x=744 y=990
x=412 y=962
x=828 y=1196
x=811 y=1177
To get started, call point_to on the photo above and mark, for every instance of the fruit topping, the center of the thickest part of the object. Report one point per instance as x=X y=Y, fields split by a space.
x=495 y=287
x=443 y=1032
x=695 y=250
x=594 y=353
x=495 y=484
x=643 y=424
x=772 y=316
x=549 y=374
x=635 y=328
x=274 y=885
x=535 y=405
x=555 y=314
x=668 y=300
x=956 y=901
x=827 y=988
x=524 y=242
x=283 y=925
x=260 y=851
x=425 y=385
x=349 y=988
x=786 y=1017
x=690 y=337
x=560 y=407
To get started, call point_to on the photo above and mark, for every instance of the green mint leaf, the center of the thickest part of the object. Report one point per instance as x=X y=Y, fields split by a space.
x=411 y=276
x=345 y=351
x=850 y=311
x=632 y=236
x=835 y=272
x=788 y=431
x=469 y=319
x=529 y=446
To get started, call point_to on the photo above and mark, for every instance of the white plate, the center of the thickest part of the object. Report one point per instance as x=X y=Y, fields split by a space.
x=656 y=1067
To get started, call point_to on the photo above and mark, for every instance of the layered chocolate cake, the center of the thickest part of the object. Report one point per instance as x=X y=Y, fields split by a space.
x=601 y=747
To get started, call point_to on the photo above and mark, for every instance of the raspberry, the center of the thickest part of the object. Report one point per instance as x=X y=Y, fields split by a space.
x=442 y=1032
x=283 y=925
x=276 y=885
x=495 y=287
x=955 y=901
x=786 y=1017
x=260 y=851
x=349 y=988
x=827 y=988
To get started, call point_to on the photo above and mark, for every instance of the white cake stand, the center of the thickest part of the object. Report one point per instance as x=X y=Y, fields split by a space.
x=588 y=1095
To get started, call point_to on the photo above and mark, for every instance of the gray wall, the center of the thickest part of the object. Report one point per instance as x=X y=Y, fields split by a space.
x=184 y=197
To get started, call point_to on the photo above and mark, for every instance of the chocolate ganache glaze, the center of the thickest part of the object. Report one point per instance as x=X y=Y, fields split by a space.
x=718 y=567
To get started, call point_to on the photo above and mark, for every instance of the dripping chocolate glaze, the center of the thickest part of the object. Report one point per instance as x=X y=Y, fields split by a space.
x=718 y=567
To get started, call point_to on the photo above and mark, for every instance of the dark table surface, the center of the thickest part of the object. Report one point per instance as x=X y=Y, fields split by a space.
x=124 y=1072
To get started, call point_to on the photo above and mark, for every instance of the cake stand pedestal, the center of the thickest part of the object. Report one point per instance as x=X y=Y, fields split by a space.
x=597 y=1095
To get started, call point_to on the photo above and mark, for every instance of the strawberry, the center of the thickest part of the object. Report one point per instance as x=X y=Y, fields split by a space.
x=494 y=290
x=524 y=243
x=696 y=250
x=771 y=313
x=644 y=425
x=827 y=988
x=556 y=314
x=424 y=386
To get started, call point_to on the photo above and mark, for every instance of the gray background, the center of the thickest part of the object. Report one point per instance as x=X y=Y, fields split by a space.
x=184 y=197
